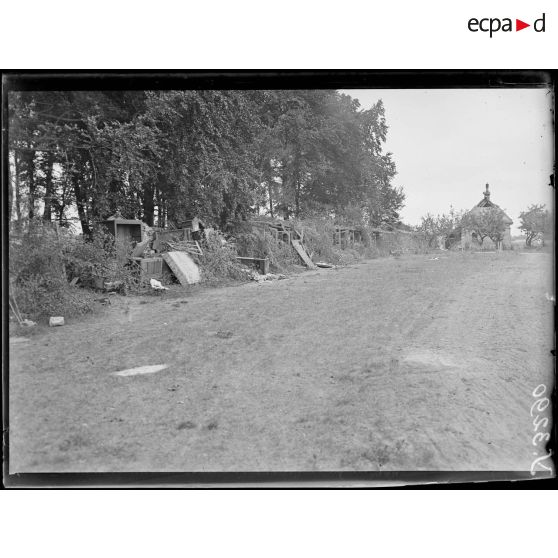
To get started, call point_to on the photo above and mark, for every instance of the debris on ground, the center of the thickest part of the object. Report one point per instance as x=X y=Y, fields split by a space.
x=432 y=259
x=183 y=266
x=262 y=264
x=157 y=285
x=325 y=265
x=15 y=309
x=190 y=246
x=28 y=323
x=113 y=286
x=301 y=251
x=188 y=424
x=253 y=275
x=149 y=369
x=56 y=321
x=140 y=248
x=104 y=301
x=269 y=277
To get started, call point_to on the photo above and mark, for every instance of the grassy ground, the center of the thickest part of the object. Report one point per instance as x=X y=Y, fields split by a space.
x=390 y=364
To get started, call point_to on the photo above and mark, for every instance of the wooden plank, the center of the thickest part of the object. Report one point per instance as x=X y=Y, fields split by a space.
x=182 y=265
x=151 y=268
x=302 y=253
x=140 y=248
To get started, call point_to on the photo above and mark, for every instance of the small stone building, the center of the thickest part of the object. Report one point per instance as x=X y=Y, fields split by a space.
x=468 y=238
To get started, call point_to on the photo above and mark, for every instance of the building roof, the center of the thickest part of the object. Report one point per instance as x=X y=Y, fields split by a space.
x=487 y=203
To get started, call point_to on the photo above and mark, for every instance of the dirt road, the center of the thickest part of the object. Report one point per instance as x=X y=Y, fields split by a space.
x=392 y=364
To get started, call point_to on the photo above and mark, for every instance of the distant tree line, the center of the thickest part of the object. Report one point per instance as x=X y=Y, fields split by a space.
x=224 y=154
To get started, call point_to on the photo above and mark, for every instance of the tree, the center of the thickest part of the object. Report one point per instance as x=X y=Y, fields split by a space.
x=441 y=226
x=319 y=149
x=159 y=155
x=487 y=222
x=535 y=222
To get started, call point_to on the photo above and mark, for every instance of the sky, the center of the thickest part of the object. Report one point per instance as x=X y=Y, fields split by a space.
x=448 y=143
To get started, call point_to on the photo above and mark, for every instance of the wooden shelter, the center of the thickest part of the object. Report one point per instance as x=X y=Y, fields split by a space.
x=346 y=236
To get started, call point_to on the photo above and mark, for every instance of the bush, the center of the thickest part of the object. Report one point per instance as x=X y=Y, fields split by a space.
x=41 y=297
x=399 y=241
x=39 y=265
x=219 y=261
x=44 y=259
x=318 y=239
x=257 y=243
x=254 y=242
x=89 y=259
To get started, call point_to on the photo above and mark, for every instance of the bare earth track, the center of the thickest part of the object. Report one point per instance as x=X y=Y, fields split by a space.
x=392 y=364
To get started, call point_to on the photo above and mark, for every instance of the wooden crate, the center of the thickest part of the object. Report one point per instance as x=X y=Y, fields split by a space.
x=150 y=268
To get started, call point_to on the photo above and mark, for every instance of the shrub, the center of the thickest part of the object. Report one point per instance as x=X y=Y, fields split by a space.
x=219 y=261
x=44 y=259
x=257 y=243
x=38 y=273
x=41 y=297
x=89 y=259
x=318 y=239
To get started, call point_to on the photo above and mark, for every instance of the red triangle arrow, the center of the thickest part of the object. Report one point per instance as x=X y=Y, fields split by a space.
x=519 y=25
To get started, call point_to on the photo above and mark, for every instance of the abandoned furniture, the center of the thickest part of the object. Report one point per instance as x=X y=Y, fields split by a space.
x=127 y=230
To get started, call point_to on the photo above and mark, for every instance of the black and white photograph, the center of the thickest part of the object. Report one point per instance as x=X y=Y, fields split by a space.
x=229 y=277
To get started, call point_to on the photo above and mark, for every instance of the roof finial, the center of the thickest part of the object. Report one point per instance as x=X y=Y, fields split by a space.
x=487 y=193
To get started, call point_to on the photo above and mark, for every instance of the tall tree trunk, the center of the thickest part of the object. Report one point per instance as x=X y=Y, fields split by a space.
x=31 y=182
x=297 y=198
x=148 y=205
x=270 y=193
x=47 y=213
x=162 y=212
x=285 y=188
x=297 y=180
x=17 y=189
x=81 y=203
x=11 y=195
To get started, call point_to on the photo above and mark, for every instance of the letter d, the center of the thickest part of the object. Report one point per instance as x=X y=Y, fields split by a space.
x=535 y=25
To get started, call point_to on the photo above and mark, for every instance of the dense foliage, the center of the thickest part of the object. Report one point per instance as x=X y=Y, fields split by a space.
x=535 y=223
x=489 y=222
x=441 y=227
x=160 y=155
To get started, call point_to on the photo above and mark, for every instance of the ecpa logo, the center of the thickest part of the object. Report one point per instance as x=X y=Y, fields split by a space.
x=494 y=24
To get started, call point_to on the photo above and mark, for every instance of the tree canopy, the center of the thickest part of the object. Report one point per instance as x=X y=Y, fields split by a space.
x=535 y=222
x=225 y=154
x=487 y=222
